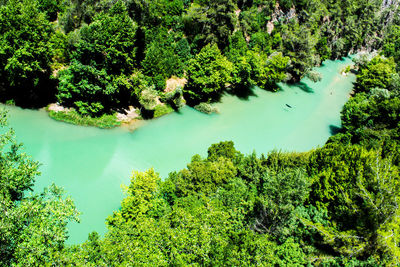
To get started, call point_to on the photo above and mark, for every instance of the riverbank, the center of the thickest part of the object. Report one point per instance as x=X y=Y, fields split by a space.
x=73 y=117
x=91 y=163
x=130 y=117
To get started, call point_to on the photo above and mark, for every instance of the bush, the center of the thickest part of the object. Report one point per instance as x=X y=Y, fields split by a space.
x=148 y=98
x=346 y=69
x=105 y=121
x=174 y=98
x=10 y=102
x=161 y=110
x=206 y=108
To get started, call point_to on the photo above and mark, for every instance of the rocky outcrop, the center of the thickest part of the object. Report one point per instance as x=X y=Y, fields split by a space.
x=389 y=3
x=279 y=16
x=389 y=9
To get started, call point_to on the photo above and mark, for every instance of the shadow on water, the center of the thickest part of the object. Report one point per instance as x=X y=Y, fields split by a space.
x=29 y=96
x=302 y=86
x=242 y=92
x=333 y=129
x=353 y=71
x=147 y=114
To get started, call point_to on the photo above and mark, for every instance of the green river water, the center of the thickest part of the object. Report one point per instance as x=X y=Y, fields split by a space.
x=91 y=164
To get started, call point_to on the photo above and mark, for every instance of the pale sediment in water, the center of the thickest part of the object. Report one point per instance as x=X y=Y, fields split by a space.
x=91 y=163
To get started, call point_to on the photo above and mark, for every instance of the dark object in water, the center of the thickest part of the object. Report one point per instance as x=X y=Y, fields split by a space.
x=289 y=105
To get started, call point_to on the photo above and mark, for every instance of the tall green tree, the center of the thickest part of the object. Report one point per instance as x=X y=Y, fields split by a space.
x=109 y=41
x=209 y=21
x=267 y=71
x=25 y=53
x=360 y=191
x=299 y=44
x=99 y=78
x=32 y=226
x=208 y=74
x=391 y=45
x=165 y=57
x=377 y=73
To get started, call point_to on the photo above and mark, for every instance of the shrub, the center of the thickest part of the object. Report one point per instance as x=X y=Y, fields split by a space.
x=206 y=108
x=105 y=121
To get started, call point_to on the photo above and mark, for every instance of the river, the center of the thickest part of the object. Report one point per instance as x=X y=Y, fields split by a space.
x=91 y=164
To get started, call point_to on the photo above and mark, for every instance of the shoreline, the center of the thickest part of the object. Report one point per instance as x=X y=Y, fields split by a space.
x=130 y=119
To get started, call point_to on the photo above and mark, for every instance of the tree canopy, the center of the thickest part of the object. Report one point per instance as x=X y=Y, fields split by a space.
x=33 y=227
x=247 y=43
x=336 y=205
x=25 y=53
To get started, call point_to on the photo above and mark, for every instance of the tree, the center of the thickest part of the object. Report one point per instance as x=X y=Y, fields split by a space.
x=42 y=229
x=210 y=21
x=100 y=78
x=281 y=194
x=209 y=72
x=237 y=47
x=360 y=190
x=222 y=149
x=133 y=230
x=25 y=53
x=166 y=13
x=375 y=74
x=109 y=41
x=203 y=176
x=84 y=87
x=323 y=50
x=164 y=58
x=32 y=227
x=140 y=193
x=299 y=45
x=391 y=45
x=148 y=98
x=314 y=76
x=267 y=71
x=50 y=8
x=372 y=118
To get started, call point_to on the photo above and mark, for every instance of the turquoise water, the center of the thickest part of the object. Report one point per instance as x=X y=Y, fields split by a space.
x=91 y=164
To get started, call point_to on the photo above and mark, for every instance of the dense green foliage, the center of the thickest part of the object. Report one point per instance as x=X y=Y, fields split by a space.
x=391 y=46
x=32 y=226
x=99 y=56
x=333 y=206
x=105 y=121
x=337 y=205
x=377 y=73
x=25 y=53
x=372 y=115
x=208 y=73
x=97 y=80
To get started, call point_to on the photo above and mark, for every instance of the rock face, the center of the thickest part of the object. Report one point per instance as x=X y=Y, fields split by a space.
x=56 y=107
x=279 y=15
x=270 y=27
x=130 y=114
x=388 y=10
x=388 y=3
x=173 y=83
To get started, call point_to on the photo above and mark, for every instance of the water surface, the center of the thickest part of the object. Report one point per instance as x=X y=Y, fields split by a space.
x=91 y=163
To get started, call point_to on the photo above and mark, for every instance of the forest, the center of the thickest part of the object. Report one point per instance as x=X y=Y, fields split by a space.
x=337 y=205
x=101 y=57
